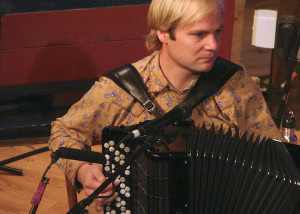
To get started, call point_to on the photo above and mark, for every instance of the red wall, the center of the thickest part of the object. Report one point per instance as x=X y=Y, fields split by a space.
x=77 y=44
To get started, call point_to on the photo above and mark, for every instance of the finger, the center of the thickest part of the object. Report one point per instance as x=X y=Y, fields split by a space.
x=98 y=174
x=104 y=201
x=110 y=186
x=94 y=185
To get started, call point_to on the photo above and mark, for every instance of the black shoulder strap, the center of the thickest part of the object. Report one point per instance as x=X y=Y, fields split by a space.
x=128 y=78
x=210 y=82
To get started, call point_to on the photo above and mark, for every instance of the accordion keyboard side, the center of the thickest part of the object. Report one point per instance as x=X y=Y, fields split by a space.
x=154 y=183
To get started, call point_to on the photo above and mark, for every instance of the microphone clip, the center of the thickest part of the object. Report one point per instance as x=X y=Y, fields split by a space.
x=55 y=156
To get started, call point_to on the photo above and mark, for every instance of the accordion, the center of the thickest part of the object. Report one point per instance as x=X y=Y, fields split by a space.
x=218 y=173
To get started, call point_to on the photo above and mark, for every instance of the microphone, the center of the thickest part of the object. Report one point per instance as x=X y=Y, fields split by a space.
x=77 y=154
x=178 y=113
x=288 y=37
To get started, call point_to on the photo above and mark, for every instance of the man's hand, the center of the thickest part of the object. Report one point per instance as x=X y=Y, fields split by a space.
x=91 y=177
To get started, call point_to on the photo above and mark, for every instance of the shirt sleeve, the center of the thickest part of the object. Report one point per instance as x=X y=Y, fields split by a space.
x=83 y=124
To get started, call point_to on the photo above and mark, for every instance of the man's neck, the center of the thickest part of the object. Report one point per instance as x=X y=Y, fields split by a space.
x=177 y=76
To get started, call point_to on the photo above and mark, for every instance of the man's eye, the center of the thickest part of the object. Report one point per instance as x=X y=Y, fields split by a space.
x=199 y=34
x=219 y=31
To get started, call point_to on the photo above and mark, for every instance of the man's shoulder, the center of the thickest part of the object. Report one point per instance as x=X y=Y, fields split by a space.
x=241 y=85
x=109 y=92
x=141 y=64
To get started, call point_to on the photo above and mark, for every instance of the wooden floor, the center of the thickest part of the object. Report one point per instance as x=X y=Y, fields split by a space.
x=16 y=191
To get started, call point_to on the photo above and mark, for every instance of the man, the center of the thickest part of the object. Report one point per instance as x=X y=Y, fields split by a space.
x=188 y=34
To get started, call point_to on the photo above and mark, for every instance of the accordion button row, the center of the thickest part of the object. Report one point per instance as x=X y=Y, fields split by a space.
x=116 y=155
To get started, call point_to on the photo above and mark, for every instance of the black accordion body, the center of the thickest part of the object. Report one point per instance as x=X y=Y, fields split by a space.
x=218 y=173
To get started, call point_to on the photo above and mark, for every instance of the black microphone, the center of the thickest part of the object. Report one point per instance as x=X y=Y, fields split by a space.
x=77 y=154
x=288 y=37
x=178 y=113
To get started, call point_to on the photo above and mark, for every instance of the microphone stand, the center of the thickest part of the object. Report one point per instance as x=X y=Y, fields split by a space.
x=289 y=32
x=80 y=207
x=19 y=157
x=290 y=66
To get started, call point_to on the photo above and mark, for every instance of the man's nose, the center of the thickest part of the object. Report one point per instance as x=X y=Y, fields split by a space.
x=212 y=42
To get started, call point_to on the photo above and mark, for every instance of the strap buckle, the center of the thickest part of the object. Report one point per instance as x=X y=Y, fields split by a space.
x=149 y=106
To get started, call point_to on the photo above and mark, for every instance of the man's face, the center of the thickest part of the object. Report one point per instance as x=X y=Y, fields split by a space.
x=196 y=45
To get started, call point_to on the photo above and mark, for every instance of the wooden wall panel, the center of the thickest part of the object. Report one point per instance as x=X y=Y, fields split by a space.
x=67 y=62
x=227 y=33
x=78 y=44
x=67 y=27
x=70 y=45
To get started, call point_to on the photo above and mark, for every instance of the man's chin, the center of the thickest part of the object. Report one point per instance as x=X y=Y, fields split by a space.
x=206 y=67
x=202 y=67
x=202 y=70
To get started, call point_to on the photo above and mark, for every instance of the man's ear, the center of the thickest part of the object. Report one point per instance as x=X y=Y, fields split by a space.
x=163 y=36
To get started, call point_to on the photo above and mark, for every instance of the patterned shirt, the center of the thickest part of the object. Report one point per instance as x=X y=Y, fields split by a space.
x=239 y=104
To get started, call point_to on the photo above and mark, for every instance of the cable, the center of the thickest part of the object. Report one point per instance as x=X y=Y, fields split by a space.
x=37 y=197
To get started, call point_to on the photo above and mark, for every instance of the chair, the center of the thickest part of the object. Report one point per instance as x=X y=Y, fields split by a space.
x=71 y=193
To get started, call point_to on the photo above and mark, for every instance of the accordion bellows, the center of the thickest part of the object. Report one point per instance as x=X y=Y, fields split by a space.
x=220 y=173
x=236 y=175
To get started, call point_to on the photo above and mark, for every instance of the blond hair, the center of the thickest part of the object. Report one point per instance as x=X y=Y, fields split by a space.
x=167 y=14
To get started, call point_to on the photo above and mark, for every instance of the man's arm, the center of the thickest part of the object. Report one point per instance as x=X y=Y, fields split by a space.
x=78 y=129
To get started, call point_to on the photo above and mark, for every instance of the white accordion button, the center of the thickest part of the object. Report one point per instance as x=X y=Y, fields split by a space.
x=106 y=145
x=111 y=143
x=122 y=157
x=127 y=194
x=128 y=212
x=127 y=149
x=122 y=145
x=122 y=179
x=122 y=191
x=111 y=149
x=107 y=168
x=122 y=185
x=127 y=172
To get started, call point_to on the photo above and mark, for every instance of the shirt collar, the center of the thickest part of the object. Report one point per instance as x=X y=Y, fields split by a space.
x=154 y=77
